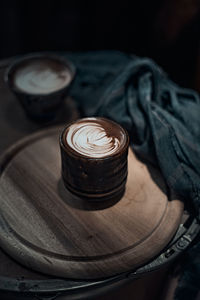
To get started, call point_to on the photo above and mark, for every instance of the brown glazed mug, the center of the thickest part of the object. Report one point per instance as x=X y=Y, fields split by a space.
x=94 y=158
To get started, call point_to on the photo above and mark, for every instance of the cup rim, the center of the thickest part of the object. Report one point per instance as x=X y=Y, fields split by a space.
x=37 y=55
x=68 y=149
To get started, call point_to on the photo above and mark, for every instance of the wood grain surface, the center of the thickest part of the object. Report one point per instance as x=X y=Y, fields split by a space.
x=47 y=229
x=15 y=125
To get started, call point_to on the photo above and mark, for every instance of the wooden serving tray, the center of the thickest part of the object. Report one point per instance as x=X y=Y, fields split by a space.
x=47 y=229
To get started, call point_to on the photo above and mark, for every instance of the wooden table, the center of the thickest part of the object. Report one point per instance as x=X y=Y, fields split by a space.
x=14 y=125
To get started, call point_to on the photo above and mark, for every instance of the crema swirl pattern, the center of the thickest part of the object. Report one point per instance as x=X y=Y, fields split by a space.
x=91 y=139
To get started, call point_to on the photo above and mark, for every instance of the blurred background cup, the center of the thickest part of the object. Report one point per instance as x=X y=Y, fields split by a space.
x=40 y=82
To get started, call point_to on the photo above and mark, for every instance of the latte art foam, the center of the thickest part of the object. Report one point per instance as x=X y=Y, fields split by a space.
x=91 y=139
x=41 y=77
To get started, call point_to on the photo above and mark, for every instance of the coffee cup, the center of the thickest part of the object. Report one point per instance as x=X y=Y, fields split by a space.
x=94 y=158
x=41 y=82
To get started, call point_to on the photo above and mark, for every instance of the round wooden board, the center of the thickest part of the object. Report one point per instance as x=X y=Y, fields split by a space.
x=47 y=229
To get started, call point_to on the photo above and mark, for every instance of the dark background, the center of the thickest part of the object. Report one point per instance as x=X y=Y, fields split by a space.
x=166 y=30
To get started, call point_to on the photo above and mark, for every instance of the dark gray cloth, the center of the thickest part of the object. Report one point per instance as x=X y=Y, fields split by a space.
x=163 y=119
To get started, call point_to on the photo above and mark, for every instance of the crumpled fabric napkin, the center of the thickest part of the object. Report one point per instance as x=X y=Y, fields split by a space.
x=163 y=121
